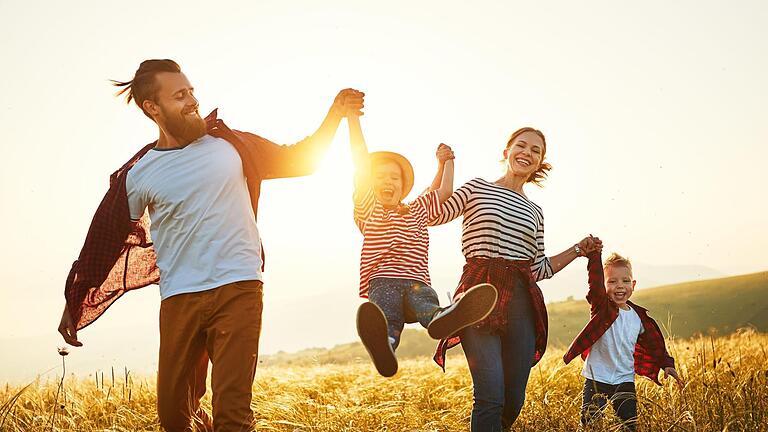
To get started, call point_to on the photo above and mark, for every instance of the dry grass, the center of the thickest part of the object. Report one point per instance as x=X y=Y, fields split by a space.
x=726 y=390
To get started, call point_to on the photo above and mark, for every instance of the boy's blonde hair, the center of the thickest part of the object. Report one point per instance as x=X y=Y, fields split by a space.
x=617 y=260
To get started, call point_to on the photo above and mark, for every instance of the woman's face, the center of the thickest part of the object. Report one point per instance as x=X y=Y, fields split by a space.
x=524 y=154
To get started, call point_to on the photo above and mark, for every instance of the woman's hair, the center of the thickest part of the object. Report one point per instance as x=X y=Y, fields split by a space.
x=541 y=172
x=616 y=260
x=143 y=86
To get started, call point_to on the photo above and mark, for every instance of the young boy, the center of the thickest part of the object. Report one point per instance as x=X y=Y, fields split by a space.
x=394 y=275
x=619 y=341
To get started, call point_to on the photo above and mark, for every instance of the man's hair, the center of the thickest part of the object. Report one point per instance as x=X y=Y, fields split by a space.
x=143 y=86
x=541 y=172
x=616 y=260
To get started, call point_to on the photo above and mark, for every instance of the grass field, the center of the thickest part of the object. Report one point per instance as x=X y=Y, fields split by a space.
x=717 y=306
x=726 y=390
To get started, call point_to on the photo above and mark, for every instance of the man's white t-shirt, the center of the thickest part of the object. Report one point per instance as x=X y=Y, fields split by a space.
x=202 y=222
x=611 y=359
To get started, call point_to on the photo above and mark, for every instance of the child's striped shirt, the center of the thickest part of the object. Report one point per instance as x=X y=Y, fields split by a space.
x=394 y=245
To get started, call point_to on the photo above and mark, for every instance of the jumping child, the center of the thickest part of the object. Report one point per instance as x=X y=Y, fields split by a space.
x=394 y=273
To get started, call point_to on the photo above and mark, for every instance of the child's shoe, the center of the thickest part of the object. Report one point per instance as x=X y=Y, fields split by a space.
x=476 y=304
x=372 y=328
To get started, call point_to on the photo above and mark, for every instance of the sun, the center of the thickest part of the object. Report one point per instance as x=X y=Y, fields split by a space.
x=335 y=170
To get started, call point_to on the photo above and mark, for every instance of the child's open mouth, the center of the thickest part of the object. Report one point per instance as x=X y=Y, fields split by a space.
x=387 y=193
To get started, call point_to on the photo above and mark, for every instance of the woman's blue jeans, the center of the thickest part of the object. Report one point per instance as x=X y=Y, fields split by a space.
x=500 y=364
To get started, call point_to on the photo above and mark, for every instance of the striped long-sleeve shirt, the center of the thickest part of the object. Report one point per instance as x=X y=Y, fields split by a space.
x=395 y=245
x=498 y=223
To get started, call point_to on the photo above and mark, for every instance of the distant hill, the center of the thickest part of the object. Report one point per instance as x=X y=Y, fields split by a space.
x=683 y=310
x=658 y=275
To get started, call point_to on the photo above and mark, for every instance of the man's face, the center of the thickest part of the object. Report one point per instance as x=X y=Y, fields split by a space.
x=619 y=283
x=176 y=109
x=387 y=182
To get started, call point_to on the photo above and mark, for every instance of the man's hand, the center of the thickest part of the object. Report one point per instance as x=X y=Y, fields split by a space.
x=671 y=372
x=444 y=153
x=68 y=330
x=349 y=102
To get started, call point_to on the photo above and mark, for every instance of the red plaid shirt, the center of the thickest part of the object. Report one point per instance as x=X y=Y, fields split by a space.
x=118 y=256
x=650 y=351
x=502 y=274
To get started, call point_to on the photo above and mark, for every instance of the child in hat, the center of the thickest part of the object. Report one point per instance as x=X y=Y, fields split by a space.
x=394 y=273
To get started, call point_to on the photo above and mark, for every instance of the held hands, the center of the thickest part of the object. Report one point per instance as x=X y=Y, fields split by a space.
x=444 y=153
x=590 y=244
x=671 y=372
x=348 y=103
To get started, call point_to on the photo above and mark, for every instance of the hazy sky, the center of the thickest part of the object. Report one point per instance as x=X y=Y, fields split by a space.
x=655 y=116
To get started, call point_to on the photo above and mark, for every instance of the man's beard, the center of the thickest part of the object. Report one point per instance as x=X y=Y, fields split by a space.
x=184 y=128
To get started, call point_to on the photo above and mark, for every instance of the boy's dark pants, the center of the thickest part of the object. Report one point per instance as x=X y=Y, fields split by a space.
x=622 y=397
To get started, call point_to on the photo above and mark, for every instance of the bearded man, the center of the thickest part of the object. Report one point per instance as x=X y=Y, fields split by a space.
x=199 y=185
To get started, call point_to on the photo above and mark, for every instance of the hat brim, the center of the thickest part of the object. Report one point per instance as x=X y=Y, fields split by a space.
x=400 y=160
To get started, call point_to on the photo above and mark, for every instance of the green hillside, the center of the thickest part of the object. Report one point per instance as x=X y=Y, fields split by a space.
x=717 y=305
x=685 y=309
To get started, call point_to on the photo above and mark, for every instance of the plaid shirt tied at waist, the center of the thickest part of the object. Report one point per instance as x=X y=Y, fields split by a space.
x=502 y=274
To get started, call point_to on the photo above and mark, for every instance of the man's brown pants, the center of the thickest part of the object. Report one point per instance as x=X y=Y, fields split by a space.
x=223 y=325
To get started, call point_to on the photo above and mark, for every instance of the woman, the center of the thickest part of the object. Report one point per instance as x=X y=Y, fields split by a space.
x=503 y=243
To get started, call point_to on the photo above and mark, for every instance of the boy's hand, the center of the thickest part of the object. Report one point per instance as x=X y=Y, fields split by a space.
x=444 y=153
x=671 y=372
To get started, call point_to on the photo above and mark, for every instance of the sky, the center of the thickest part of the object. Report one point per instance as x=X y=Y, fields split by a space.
x=654 y=114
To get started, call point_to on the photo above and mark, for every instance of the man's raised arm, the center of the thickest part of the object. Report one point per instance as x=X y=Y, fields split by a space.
x=277 y=161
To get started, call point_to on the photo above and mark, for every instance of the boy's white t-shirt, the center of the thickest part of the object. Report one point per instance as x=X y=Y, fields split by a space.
x=611 y=359
x=203 y=226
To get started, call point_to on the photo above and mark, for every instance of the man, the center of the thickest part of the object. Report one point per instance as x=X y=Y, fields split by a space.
x=200 y=182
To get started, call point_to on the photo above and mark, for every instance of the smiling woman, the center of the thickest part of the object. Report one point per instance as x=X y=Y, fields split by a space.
x=526 y=151
x=503 y=242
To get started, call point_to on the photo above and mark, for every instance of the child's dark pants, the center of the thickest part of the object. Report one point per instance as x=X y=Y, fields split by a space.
x=622 y=397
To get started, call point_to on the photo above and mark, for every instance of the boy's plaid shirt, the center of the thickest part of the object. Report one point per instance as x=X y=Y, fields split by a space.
x=118 y=254
x=502 y=274
x=650 y=352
